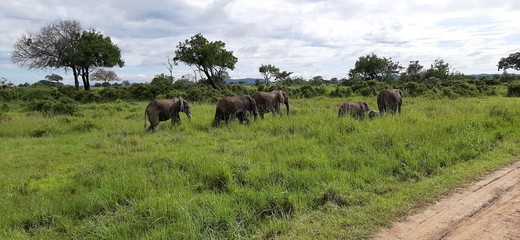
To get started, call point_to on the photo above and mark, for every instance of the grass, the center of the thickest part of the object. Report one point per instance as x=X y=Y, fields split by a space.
x=97 y=174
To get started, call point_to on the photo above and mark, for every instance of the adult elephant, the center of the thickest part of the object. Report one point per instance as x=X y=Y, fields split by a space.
x=390 y=100
x=163 y=109
x=356 y=109
x=235 y=107
x=270 y=102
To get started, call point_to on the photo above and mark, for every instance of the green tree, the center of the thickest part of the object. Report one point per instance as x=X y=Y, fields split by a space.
x=95 y=50
x=316 y=81
x=54 y=78
x=268 y=71
x=104 y=75
x=62 y=44
x=439 y=69
x=512 y=61
x=373 y=67
x=414 y=71
x=211 y=58
x=282 y=76
x=50 y=48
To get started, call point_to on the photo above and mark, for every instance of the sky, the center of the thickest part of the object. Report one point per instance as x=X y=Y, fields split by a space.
x=307 y=37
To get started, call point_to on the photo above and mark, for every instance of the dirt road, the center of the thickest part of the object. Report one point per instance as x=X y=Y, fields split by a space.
x=489 y=209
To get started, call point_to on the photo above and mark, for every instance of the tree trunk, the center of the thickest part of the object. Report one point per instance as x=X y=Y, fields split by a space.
x=84 y=76
x=210 y=79
x=76 y=80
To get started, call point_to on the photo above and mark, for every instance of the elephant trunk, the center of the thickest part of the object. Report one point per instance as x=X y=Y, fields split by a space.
x=287 y=106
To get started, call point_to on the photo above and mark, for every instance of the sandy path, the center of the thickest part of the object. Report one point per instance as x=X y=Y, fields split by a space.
x=489 y=209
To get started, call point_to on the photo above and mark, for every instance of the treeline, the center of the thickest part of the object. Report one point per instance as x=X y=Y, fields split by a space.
x=63 y=99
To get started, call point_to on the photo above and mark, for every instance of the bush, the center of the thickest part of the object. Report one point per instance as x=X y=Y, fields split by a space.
x=513 y=90
x=9 y=94
x=341 y=92
x=64 y=106
x=38 y=93
x=87 y=97
x=110 y=94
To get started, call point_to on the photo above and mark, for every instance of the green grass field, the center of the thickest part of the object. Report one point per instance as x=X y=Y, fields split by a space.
x=309 y=175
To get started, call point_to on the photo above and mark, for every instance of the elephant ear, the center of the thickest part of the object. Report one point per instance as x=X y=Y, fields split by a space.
x=181 y=104
x=399 y=92
x=365 y=106
x=279 y=95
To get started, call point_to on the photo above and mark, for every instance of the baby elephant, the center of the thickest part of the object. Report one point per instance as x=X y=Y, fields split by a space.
x=373 y=113
x=356 y=109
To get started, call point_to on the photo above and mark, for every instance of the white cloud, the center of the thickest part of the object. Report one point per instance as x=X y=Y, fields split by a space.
x=306 y=37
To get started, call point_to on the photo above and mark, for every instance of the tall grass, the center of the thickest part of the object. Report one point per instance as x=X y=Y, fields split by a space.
x=97 y=174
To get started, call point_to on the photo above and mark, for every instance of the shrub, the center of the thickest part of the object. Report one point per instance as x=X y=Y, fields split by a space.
x=341 y=92
x=87 y=97
x=513 y=90
x=64 y=106
x=110 y=94
x=9 y=94
x=37 y=93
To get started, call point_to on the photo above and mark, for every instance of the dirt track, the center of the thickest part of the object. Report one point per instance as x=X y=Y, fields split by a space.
x=488 y=209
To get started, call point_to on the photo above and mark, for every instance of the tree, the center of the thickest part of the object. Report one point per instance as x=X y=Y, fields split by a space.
x=54 y=78
x=95 y=50
x=282 y=76
x=50 y=48
x=414 y=71
x=316 y=81
x=372 y=67
x=268 y=71
x=62 y=44
x=104 y=75
x=211 y=58
x=512 y=61
x=439 y=69
x=4 y=83
x=169 y=65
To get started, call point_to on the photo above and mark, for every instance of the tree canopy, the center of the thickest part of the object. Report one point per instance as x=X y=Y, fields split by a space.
x=211 y=58
x=104 y=75
x=63 y=44
x=54 y=77
x=373 y=67
x=268 y=71
x=512 y=61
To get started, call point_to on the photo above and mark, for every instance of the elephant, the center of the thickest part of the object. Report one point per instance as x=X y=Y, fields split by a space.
x=163 y=109
x=390 y=100
x=373 y=113
x=235 y=107
x=356 y=109
x=270 y=102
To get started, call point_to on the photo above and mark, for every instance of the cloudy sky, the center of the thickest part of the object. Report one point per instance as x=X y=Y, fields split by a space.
x=309 y=38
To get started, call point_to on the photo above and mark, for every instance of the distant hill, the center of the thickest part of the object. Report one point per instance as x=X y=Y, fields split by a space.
x=250 y=81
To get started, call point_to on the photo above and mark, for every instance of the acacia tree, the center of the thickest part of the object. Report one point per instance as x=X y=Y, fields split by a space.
x=54 y=78
x=512 y=61
x=211 y=58
x=268 y=71
x=50 y=48
x=373 y=67
x=104 y=75
x=62 y=44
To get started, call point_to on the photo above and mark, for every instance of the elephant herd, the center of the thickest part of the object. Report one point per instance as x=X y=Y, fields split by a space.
x=228 y=108
x=388 y=100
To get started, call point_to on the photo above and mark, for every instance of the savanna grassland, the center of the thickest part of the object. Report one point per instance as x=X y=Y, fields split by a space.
x=97 y=174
